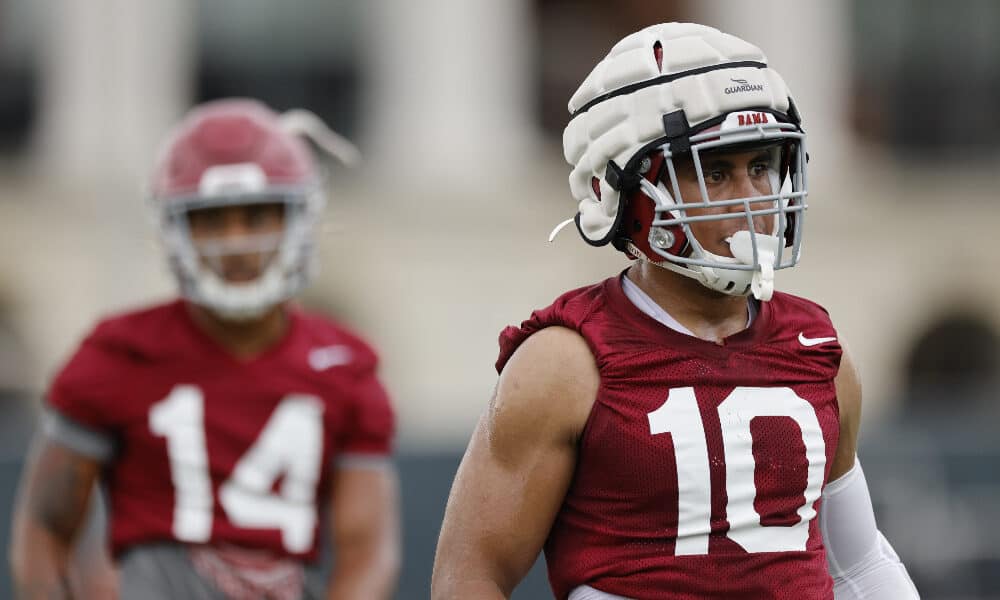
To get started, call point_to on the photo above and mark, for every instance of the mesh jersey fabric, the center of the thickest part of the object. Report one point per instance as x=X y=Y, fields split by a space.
x=133 y=363
x=618 y=527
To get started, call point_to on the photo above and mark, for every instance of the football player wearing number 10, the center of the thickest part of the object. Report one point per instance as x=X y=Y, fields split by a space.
x=680 y=431
x=225 y=423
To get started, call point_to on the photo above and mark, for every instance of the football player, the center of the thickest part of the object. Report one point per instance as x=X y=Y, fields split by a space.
x=680 y=431
x=222 y=424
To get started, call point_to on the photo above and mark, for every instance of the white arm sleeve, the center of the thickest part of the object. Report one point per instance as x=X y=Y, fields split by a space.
x=862 y=563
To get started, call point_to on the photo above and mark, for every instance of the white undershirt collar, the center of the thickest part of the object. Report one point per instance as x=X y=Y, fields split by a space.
x=643 y=302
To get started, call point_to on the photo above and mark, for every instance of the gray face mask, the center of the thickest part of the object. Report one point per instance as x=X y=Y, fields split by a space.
x=280 y=263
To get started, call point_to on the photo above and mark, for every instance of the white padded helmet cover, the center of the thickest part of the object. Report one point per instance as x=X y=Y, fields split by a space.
x=618 y=127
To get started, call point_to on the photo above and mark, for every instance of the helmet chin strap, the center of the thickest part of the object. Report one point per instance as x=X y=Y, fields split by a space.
x=735 y=282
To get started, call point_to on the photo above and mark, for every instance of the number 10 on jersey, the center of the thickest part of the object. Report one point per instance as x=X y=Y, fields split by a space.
x=680 y=417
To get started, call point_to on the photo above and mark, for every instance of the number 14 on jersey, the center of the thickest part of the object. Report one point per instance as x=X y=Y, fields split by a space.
x=290 y=445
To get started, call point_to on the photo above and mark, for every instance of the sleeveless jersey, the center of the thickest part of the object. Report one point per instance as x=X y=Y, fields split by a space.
x=700 y=467
x=211 y=449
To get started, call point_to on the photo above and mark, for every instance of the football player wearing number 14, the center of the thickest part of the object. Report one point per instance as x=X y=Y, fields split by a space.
x=225 y=423
x=680 y=431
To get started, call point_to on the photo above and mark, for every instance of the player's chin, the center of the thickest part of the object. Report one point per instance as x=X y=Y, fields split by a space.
x=241 y=278
x=241 y=272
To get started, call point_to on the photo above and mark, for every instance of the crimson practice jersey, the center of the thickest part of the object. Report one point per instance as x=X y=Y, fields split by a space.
x=208 y=448
x=700 y=468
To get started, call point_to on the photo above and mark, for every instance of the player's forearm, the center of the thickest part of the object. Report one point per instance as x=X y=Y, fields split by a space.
x=51 y=506
x=369 y=575
x=456 y=588
x=461 y=573
x=38 y=563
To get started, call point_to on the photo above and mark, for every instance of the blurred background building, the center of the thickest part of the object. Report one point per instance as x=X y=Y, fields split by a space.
x=440 y=239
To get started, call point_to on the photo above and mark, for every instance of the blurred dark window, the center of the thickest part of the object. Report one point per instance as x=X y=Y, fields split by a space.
x=572 y=36
x=18 y=73
x=300 y=53
x=957 y=357
x=926 y=75
x=932 y=466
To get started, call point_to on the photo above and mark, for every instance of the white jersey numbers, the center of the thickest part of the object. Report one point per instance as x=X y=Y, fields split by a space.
x=180 y=418
x=735 y=414
x=680 y=417
x=288 y=448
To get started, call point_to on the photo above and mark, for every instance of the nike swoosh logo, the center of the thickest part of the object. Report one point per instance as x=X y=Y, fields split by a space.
x=321 y=359
x=814 y=341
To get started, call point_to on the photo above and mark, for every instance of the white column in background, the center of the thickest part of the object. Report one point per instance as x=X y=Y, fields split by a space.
x=450 y=88
x=114 y=75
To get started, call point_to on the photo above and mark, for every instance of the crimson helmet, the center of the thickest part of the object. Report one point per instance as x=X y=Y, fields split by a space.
x=237 y=152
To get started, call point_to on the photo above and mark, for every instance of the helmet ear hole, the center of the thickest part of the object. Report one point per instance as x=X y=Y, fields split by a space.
x=637 y=224
x=595 y=184
x=658 y=55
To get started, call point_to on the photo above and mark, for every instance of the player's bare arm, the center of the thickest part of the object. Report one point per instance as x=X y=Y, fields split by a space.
x=365 y=533
x=848 y=384
x=55 y=492
x=515 y=473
